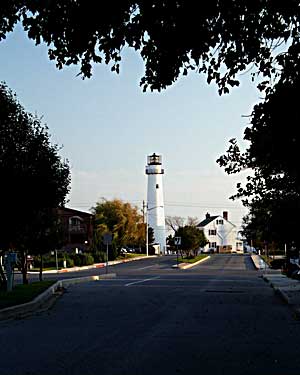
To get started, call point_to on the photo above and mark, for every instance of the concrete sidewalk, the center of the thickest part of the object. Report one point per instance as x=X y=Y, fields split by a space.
x=288 y=289
x=259 y=263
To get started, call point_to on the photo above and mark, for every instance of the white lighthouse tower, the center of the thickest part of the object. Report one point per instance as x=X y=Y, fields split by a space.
x=155 y=200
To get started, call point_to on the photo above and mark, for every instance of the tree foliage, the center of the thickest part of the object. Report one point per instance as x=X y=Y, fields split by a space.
x=34 y=179
x=272 y=191
x=220 y=40
x=191 y=239
x=172 y=37
x=122 y=220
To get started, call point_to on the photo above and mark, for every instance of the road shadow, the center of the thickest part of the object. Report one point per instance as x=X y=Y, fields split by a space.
x=249 y=263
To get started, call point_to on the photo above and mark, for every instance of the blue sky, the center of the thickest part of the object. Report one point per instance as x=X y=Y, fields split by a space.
x=108 y=126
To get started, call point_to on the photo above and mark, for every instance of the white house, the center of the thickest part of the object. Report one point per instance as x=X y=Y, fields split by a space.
x=221 y=233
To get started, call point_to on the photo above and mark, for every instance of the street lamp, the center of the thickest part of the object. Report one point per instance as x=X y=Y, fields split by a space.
x=147 y=236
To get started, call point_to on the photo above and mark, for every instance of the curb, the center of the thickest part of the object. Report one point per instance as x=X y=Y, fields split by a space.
x=277 y=290
x=282 y=295
x=95 y=265
x=18 y=311
x=258 y=262
x=184 y=266
x=285 y=298
x=280 y=291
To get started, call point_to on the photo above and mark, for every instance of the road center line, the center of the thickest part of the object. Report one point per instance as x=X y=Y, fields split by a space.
x=143 y=268
x=142 y=281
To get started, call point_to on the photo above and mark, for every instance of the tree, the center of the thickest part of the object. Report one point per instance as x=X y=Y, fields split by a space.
x=192 y=221
x=35 y=179
x=173 y=38
x=122 y=220
x=151 y=240
x=191 y=239
x=45 y=236
x=174 y=222
x=272 y=192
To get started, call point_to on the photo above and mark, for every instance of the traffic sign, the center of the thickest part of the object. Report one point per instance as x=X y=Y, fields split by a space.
x=177 y=240
x=107 y=239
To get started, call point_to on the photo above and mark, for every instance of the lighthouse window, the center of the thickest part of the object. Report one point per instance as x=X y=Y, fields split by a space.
x=157 y=186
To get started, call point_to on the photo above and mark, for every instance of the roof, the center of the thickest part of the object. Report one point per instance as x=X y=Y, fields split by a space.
x=67 y=210
x=207 y=221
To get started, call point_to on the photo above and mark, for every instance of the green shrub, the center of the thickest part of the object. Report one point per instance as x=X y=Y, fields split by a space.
x=113 y=253
x=77 y=260
x=99 y=256
x=48 y=261
x=87 y=259
x=70 y=262
x=84 y=259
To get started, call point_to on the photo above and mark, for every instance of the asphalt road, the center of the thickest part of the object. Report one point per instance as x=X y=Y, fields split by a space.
x=218 y=317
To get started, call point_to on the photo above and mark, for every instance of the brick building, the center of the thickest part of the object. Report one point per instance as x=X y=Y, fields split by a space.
x=77 y=229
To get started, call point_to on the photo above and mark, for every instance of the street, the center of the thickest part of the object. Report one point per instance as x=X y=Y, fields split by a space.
x=219 y=317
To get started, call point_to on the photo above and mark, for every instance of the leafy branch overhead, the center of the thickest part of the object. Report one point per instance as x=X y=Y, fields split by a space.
x=173 y=38
x=221 y=40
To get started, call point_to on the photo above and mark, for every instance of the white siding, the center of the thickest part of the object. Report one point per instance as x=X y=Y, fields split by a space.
x=226 y=234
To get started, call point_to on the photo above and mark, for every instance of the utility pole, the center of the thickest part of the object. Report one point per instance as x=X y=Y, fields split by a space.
x=147 y=239
x=144 y=210
x=145 y=213
x=145 y=221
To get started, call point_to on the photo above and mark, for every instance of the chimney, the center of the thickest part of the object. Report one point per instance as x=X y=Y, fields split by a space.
x=207 y=215
x=225 y=215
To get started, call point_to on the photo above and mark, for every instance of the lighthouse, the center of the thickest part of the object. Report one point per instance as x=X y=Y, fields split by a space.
x=155 y=201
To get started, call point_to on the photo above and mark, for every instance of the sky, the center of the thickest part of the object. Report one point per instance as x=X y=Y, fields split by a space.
x=107 y=126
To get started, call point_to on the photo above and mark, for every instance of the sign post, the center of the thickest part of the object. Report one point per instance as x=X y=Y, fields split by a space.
x=9 y=261
x=177 y=242
x=107 y=240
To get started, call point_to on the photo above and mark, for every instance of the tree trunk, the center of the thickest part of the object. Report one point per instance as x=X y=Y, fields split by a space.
x=24 y=266
x=3 y=281
x=41 y=268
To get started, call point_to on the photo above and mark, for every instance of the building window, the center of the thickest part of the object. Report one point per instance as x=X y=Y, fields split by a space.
x=75 y=221
x=212 y=232
x=213 y=244
x=220 y=221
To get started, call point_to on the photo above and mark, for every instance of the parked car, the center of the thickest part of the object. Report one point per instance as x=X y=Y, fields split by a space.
x=126 y=249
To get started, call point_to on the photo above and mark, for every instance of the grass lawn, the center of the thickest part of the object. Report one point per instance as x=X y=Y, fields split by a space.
x=266 y=259
x=129 y=256
x=23 y=293
x=37 y=269
x=192 y=260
